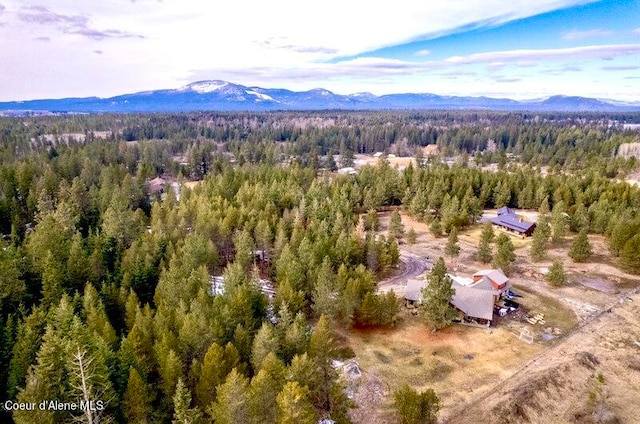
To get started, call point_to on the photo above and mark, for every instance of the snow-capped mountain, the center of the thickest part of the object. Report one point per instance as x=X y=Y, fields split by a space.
x=224 y=95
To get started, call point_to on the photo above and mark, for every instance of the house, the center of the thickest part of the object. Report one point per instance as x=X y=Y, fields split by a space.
x=508 y=220
x=474 y=304
x=157 y=185
x=474 y=297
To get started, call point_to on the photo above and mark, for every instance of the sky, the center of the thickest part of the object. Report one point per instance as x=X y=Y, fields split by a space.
x=520 y=49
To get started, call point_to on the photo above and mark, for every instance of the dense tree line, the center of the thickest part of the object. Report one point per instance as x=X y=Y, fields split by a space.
x=105 y=287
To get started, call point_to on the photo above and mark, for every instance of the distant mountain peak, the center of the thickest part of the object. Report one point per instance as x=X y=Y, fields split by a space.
x=206 y=86
x=227 y=96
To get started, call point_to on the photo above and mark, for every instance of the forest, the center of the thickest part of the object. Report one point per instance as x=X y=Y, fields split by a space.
x=106 y=283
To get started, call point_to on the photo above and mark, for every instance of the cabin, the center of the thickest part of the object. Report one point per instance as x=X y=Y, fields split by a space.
x=509 y=221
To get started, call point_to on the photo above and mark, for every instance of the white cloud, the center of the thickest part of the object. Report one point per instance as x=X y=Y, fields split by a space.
x=593 y=33
x=422 y=52
x=584 y=52
x=281 y=42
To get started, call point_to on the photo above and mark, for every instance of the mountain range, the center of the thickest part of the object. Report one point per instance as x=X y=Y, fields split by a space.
x=227 y=96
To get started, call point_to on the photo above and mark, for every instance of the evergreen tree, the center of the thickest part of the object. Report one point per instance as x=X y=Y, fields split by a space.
x=265 y=342
x=264 y=389
x=484 y=254
x=182 y=411
x=580 y=250
x=559 y=223
x=213 y=373
x=396 y=228
x=326 y=393
x=12 y=286
x=294 y=406
x=25 y=350
x=412 y=236
x=452 y=248
x=137 y=402
x=538 y=248
x=371 y=222
x=46 y=380
x=556 y=275
x=435 y=308
x=435 y=228
x=325 y=293
x=232 y=403
x=580 y=219
x=505 y=254
x=630 y=255
x=416 y=408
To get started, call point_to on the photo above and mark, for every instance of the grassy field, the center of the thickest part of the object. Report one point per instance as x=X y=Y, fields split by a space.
x=555 y=313
x=455 y=362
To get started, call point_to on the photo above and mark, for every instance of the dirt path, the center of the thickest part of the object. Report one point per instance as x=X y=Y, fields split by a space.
x=411 y=266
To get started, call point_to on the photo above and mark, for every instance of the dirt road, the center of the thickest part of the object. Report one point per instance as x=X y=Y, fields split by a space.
x=410 y=266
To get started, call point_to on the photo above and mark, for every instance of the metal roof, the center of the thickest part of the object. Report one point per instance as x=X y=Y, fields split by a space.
x=512 y=222
x=476 y=303
x=413 y=291
x=495 y=275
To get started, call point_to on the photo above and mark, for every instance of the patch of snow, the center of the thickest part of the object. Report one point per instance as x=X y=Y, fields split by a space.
x=261 y=96
x=206 y=86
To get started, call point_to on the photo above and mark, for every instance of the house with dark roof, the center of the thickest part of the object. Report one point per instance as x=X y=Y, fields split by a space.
x=508 y=220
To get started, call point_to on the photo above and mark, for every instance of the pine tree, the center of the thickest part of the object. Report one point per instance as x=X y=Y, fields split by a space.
x=371 y=222
x=48 y=379
x=505 y=254
x=325 y=293
x=556 y=275
x=580 y=250
x=170 y=368
x=264 y=389
x=52 y=279
x=452 y=248
x=294 y=406
x=435 y=228
x=232 y=403
x=265 y=342
x=559 y=223
x=182 y=411
x=412 y=236
x=416 y=408
x=396 y=228
x=484 y=254
x=435 y=308
x=295 y=339
x=538 y=248
x=630 y=255
x=78 y=263
x=137 y=400
x=25 y=350
x=213 y=373
x=326 y=393
x=12 y=286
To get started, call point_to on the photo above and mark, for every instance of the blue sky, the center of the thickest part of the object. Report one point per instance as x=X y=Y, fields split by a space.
x=516 y=48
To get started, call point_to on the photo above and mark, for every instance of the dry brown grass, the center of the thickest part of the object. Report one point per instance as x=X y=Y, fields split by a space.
x=556 y=314
x=456 y=362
